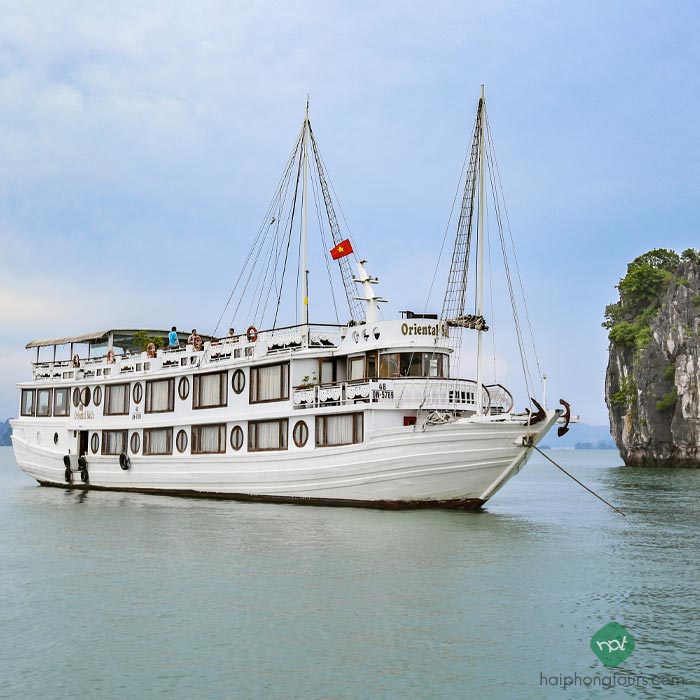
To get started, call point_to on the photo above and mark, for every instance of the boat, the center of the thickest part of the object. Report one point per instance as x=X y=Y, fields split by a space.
x=365 y=412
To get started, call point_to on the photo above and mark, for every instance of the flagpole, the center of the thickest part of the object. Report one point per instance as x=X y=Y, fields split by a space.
x=304 y=271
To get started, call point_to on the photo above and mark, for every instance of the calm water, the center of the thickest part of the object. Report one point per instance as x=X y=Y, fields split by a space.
x=107 y=595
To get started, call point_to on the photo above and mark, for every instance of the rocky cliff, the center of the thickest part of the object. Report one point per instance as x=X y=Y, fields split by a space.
x=652 y=384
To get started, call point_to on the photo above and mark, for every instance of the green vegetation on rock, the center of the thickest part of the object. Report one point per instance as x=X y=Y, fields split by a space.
x=627 y=394
x=667 y=401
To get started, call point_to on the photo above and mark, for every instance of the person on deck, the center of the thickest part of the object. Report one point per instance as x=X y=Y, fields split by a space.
x=195 y=339
x=173 y=340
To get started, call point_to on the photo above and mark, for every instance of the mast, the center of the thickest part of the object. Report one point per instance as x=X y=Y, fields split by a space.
x=304 y=271
x=480 y=255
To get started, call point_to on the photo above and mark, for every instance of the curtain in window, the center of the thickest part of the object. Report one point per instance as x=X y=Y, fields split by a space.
x=210 y=390
x=113 y=442
x=116 y=396
x=158 y=441
x=268 y=435
x=270 y=383
x=339 y=430
x=27 y=402
x=209 y=438
x=158 y=395
x=389 y=365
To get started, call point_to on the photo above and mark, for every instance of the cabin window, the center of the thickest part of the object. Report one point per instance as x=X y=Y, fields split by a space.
x=300 y=433
x=208 y=439
x=270 y=383
x=183 y=388
x=356 y=367
x=61 y=402
x=116 y=399
x=372 y=365
x=113 y=441
x=97 y=395
x=28 y=407
x=137 y=392
x=135 y=443
x=267 y=435
x=327 y=371
x=85 y=395
x=238 y=381
x=237 y=438
x=181 y=441
x=413 y=364
x=43 y=402
x=158 y=441
x=95 y=443
x=344 y=429
x=76 y=397
x=210 y=390
x=160 y=396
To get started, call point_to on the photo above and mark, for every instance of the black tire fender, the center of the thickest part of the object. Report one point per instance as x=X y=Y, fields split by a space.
x=124 y=461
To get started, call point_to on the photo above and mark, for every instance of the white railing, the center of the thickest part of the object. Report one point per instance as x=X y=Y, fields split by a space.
x=404 y=393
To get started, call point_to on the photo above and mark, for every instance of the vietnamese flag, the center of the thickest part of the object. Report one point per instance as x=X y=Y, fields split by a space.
x=341 y=250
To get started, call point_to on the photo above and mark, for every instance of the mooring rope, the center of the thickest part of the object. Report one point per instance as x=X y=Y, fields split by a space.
x=580 y=483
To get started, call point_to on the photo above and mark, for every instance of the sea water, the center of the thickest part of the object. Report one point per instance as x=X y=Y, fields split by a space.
x=115 y=595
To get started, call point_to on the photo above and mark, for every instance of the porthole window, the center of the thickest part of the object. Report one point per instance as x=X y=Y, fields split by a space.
x=76 y=397
x=97 y=395
x=85 y=395
x=238 y=381
x=95 y=443
x=55 y=438
x=138 y=392
x=135 y=443
x=183 y=388
x=301 y=433
x=237 y=438
x=181 y=441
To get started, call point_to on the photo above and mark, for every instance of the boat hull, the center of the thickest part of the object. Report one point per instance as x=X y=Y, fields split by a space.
x=458 y=465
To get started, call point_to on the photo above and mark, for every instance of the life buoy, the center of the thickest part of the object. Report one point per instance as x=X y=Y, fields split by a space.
x=151 y=350
x=197 y=343
x=111 y=357
x=68 y=475
x=76 y=361
x=84 y=475
x=124 y=461
x=251 y=334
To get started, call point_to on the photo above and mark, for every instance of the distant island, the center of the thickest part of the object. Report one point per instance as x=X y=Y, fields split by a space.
x=582 y=437
x=652 y=383
x=5 y=432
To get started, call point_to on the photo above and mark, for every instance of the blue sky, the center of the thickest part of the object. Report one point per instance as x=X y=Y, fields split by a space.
x=140 y=145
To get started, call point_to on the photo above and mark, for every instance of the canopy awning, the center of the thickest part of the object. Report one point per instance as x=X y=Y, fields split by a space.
x=121 y=338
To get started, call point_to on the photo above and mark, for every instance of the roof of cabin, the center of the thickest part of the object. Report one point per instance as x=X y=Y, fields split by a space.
x=121 y=337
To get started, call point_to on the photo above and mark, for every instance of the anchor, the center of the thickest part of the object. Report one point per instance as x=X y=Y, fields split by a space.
x=564 y=429
x=540 y=415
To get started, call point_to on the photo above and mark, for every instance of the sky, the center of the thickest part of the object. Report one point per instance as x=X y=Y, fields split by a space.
x=140 y=144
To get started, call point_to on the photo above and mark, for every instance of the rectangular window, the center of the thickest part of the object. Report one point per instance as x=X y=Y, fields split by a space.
x=43 y=402
x=344 y=429
x=389 y=365
x=411 y=364
x=208 y=439
x=158 y=441
x=61 y=402
x=116 y=399
x=270 y=383
x=210 y=390
x=160 y=396
x=327 y=371
x=267 y=435
x=113 y=442
x=356 y=368
x=28 y=407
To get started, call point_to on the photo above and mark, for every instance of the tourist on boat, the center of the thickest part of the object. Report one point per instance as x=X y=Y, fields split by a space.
x=173 y=340
x=195 y=339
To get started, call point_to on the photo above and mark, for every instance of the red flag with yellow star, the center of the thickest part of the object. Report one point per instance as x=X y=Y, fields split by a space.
x=341 y=250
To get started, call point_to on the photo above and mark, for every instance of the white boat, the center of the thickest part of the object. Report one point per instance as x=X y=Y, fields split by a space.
x=362 y=413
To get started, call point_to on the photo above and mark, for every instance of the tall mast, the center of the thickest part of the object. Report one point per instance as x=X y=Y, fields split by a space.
x=480 y=252
x=304 y=271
